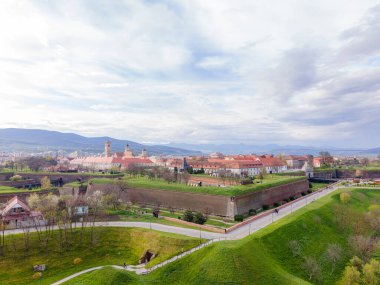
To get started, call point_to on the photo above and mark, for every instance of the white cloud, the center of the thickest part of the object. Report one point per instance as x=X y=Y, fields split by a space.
x=196 y=71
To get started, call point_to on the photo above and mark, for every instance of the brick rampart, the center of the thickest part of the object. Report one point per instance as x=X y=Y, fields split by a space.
x=213 y=204
x=17 y=184
x=256 y=200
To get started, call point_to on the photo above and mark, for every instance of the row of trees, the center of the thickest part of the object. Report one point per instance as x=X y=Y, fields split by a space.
x=34 y=163
x=60 y=213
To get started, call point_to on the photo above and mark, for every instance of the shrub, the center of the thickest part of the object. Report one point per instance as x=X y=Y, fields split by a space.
x=286 y=200
x=188 y=216
x=277 y=204
x=265 y=207
x=45 y=182
x=345 y=197
x=37 y=275
x=309 y=191
x=252 y=212
x=199 y=218
x=77 y=260
x=291 y=198
x=15 y=178
x=239 y=218
x=303 y=193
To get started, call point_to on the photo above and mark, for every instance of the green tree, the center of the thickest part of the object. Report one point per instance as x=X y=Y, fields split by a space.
x=351 y=276
x=45 y=182
x=188 y=216
x=199 y=218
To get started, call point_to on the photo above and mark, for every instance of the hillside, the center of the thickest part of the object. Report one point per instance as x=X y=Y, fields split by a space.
x=32 y=140
x=265 y=257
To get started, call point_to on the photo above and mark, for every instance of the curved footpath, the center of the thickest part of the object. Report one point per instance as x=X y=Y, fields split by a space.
x=250 y=227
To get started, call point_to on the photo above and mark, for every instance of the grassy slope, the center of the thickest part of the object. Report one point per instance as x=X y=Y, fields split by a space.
x=264 y=258
x=11 y=190
x=114 y=246
x=144 y=182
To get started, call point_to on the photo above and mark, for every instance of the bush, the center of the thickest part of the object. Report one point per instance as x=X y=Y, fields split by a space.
x=309 y=191
x=265 y=207
x=15 y=178
x=345 y=197
x=303 y=193
x=277 y=204
x=199 y=218
x=239 y=218
x=286 y=200
x=188 y=216
x=291 y=198
x=77 y=260
x=252 y=212
x=37 y=275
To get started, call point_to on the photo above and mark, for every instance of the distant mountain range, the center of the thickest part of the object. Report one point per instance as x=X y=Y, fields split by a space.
x=274 y=149
x=31 y=140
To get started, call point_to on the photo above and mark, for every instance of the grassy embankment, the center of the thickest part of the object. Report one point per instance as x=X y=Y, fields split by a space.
x=145 y=182
x=264 y=257
x=145 y=214
x=12 y=190
x=112 y=246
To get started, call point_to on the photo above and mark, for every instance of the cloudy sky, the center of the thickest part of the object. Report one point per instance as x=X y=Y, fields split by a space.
x=215 y=71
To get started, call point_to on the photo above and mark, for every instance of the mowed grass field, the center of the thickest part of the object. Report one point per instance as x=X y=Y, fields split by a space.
x=144 y=182
x=264 y=257
x=112 y=246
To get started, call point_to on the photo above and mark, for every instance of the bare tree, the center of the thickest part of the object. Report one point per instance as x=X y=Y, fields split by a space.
x=333 y=255
x=312 y=268
x=96 y=206
x=294 y=247
x=362 y=246
x=122 y=187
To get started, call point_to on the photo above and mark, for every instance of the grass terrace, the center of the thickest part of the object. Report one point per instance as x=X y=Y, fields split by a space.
x=76 y=184
x=159 y=184
x=12 y=190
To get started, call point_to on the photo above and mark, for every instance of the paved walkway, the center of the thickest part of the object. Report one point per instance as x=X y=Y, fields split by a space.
x=258 y=223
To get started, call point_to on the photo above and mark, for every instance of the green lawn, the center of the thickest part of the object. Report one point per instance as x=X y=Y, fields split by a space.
x=113 y=246
x=145 y=182
x=134 y=215
x=76 y=184
x=264 y=257
x=318 y=185
x=11 y=190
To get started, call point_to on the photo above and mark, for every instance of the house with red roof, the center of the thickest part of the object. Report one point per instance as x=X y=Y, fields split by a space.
x=17 y=214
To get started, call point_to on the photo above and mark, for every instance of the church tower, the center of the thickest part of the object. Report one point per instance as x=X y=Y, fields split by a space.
x=144 y=153
x=128 y=152
x=107 y=149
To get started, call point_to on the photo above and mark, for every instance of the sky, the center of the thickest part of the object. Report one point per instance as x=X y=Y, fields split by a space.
x=215 y=71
